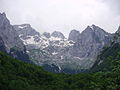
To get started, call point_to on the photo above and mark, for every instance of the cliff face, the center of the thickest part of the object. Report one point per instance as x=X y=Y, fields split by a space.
x=10 y=41
x=77 y=52
x=89 y=42
x=108 y=55
x=9 y=35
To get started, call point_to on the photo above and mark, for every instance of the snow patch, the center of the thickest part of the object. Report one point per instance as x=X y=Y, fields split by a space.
x=21 y=27
x=77 y=58
x=106 y=35
x=55 y=39
x=20 y=35
x=92 y=27
x=54 y=53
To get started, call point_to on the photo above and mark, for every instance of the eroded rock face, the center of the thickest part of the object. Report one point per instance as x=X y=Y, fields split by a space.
x=9 y=35
x=74 y=36
x=57 y=34
x=77 y=52
x=89 y=44
x=90 y=41
x=26 y=30
x=46 y=34
x=10 y=41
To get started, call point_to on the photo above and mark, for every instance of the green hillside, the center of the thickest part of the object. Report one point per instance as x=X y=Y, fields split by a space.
x=18 y=75
x=107 y=57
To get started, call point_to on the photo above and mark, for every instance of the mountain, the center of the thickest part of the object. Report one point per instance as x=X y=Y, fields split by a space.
x=54 y=51
x=28 y=35
x=9 y=39
x=26 y=30
x=8 y=34
x=57 y=34
x=88 y=44
x=46 y=34
x=108 y=55
x=58 y=54
x=44 y=49
x=92 y=49
x=74 y=35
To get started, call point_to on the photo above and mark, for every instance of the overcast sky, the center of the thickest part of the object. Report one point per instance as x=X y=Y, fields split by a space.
x=63 y=15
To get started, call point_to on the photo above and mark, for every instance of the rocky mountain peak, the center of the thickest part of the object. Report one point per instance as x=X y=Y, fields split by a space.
x=93 y=26
x=3 y=14
x=3 y=20
x=46 y=34
x=95 y=31
x=74 y=34
x=79 y=51
x=26 y=30
x=8 y=34
x=89 y=42
x=58 y=34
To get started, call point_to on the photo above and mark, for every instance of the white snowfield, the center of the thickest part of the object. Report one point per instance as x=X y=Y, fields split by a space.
x=45 y=42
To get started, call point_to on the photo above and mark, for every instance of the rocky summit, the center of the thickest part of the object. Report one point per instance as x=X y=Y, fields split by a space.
x=54 y=51
x=10 y=41
x=8 y=34
x=74 y=54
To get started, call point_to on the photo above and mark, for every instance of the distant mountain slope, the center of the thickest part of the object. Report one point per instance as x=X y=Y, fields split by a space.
x=76 y=53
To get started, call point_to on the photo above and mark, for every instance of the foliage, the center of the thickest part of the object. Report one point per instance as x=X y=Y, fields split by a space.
x=106 y=57
x=18 y=75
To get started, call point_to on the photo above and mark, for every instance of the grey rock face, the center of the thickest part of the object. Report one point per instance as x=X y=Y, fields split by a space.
x=9 y=35
x=77 y=52
x=58 y=35
x=10 y=42
x=90 y=43
x=29 y=36
x=74 y=35
x=26 y=30
x=46 y=34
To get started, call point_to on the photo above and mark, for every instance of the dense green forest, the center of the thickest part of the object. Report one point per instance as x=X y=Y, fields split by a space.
x=18 y=75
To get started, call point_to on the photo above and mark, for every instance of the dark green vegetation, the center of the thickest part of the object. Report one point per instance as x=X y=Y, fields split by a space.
x=18 y=75
x=107 y=57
